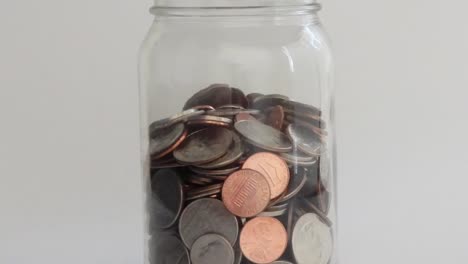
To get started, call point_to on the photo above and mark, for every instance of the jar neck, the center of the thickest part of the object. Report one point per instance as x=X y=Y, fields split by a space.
x=234 y=8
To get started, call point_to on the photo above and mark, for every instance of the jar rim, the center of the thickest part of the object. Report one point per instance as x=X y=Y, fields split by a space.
x=232 y=4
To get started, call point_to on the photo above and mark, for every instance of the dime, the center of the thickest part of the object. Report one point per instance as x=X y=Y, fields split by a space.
x=234 y=153
x=312 y=240
x=265 y=101
x=305 y=140
x=205 y=216
x=209 y=120
x=168 y=249
x=263 y=136
x=275 y=117
x=274 y=169
x=165 y=140
x=263 y=240
x=210 y=249
x=166 y=198
x=204 y=146
x=167 y=122
x=246 y=193
x=217 y=95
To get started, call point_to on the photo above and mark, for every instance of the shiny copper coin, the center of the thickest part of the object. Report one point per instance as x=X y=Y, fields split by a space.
x=263 y=240
x=246 y=193
x=275 y=117
x=274 y=169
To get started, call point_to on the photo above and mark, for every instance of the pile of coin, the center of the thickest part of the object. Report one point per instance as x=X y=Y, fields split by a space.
x=240 y=179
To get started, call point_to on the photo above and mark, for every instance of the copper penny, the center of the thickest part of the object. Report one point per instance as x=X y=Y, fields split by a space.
x=246 y=193
x=263 y=240
x=274 y=169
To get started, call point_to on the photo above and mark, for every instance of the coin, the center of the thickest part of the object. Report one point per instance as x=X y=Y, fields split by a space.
x=244 y=116
x=237 y=253
x=311 y=187
x=310 y=206
x=210 y=249
x=204 y=146
x=275 y=117
x=231 y=106
x=234 y=153
x=274 y=169
x=217 y=95
x=246 y=193
x=167 y=122
x=204 y=107
x=165 y=140
x=263 y=240
x=301 y=107
x=167 y=249
x=297 y=158
x=312 y=240
x=251 y=97
x=214 y=172
x=295 y=186
x=166 y=198
x=305 y=140
x=201 y=192
x=233 y=112
x=205 y=216
x=265 y=101
x=209 y=120
x=263 y=136
x=273 y=213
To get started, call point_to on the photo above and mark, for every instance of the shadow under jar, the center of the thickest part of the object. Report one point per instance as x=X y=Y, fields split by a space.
x=238 y=147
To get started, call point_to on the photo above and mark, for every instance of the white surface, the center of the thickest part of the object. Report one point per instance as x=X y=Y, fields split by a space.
x=70 y=191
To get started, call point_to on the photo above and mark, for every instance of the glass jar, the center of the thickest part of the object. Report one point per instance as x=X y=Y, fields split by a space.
x=238 y=147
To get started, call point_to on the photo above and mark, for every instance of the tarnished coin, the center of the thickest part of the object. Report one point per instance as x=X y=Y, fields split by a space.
x=234 y=153
x=265 y=101
x=233 y=112
x=168 y=249
x=295 y=186
x=167 y=198
x=167 y=122
x=165 y=140
x=217 y=95
x=312 y=240
x=246 y=193
x=210 y=249
x=204 y=146
x=206 y=216
x=306 y=140
x=263 y=240
x=274 y=117
x=274 y=169
x=297 y=158
x=209 y=120
x=263 y=136
x=301 y=107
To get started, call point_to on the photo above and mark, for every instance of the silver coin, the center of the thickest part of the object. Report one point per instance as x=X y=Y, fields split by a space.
x=167 y=122
x=204 y=146
x=297 y=158
x=263 y=136
x=233 y=112
x=162 y=139
x=215 y=172
x=312 y=240
x=168 y=249
x=206 y=216
x=166 y=199
x=210 y=249
x=210 y=120
x=234 y=153
x=265 y=101
x=305 y=139
x=301 y=107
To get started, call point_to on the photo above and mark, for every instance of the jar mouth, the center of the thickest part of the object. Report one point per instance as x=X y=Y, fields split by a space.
x=219 y=4
x=219 y=8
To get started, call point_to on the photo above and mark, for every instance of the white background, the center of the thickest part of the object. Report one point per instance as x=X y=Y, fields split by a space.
x=69 y=185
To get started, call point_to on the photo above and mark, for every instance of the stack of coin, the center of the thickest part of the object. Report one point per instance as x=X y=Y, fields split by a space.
x=240 y=179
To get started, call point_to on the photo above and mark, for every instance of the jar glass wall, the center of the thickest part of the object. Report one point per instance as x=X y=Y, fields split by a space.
x=238 y=133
